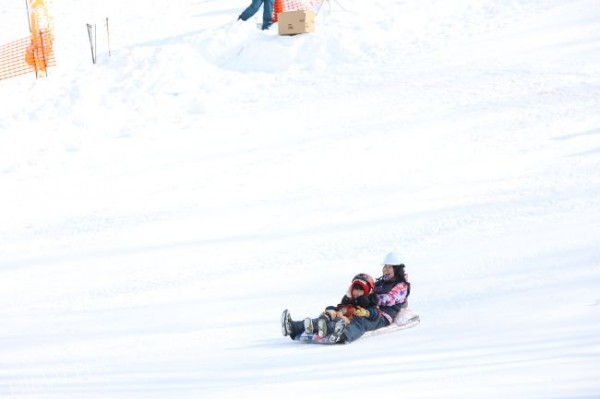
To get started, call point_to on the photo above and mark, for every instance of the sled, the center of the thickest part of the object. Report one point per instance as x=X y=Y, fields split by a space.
x=405 y=319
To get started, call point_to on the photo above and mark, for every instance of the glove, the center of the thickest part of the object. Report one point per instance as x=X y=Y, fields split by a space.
x=360 y=312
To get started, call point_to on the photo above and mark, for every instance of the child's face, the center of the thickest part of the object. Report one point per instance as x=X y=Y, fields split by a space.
x=356 y=292
x=388 y=272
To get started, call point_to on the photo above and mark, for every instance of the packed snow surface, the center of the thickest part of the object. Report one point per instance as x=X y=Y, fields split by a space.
x=160 y=208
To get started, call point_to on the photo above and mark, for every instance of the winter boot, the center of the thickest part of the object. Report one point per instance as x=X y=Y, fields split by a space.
x=338 y=332
x=308 y=326
x=286 y=323
x=322 y=327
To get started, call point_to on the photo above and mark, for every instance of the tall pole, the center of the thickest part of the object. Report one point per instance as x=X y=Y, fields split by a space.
x=44 y=62
x=28 y=16
x=108 y=36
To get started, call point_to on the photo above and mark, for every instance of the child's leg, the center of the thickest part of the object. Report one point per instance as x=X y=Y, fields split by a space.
x=297 y=329
x=310 y=325
x=323 y=325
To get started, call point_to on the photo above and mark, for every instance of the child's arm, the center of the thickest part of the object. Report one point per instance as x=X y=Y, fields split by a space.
x=366 y=301
x=371 y=313
x=396 y=295
x=346 y=300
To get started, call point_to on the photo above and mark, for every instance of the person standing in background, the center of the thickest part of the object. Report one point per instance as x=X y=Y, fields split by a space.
x=254 y=7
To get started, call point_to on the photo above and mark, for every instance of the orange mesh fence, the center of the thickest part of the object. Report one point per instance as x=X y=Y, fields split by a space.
x=12 y=59
x=296 y=5
x=32 y=54
x=24 y=56
x=277 y=8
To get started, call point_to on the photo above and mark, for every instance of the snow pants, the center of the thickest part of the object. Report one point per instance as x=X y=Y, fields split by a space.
x=353 y=331
x=360 y=325
x=299 y=326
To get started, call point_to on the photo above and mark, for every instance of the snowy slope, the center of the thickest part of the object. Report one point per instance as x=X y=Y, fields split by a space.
x=162 y=207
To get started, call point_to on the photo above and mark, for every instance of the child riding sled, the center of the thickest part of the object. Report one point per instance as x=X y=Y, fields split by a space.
x=391 y=291
x=359 y=301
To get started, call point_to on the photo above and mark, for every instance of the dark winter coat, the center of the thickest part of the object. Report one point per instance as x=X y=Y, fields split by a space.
x=391 y=295
x=368 y=302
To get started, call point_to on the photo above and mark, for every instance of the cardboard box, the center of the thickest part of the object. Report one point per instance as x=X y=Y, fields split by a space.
x=294 y=22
